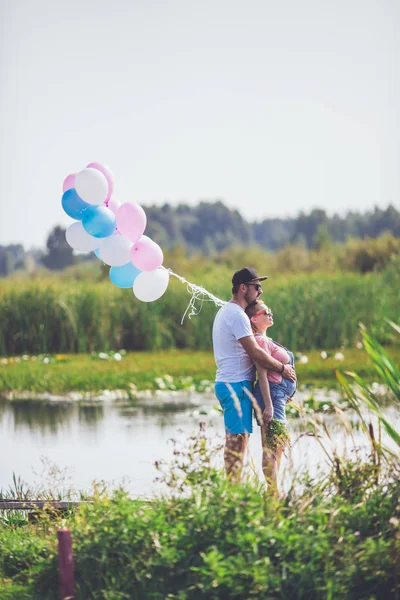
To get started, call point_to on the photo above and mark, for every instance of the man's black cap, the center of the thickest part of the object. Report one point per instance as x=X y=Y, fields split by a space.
x=246 y=275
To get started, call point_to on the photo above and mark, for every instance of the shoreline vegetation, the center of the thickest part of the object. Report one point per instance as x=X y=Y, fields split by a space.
x=334 y=535
x=311 y=311
x=72 y=375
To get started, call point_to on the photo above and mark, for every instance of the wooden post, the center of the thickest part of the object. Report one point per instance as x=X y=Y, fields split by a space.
x=66 y=565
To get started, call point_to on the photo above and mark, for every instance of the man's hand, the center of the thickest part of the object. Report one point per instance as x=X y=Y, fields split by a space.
x=289 y=373
x=268 y=414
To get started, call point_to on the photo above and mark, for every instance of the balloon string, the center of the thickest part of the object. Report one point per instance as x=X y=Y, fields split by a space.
x=198 y=295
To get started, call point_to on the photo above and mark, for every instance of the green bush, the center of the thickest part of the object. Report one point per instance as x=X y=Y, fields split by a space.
x=371 y=254
x=224 y=541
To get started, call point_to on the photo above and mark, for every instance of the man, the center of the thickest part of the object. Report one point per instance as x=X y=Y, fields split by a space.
x=236 y=351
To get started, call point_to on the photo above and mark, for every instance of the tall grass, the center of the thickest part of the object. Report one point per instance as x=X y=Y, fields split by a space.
x=361 y=396
x=316 y=311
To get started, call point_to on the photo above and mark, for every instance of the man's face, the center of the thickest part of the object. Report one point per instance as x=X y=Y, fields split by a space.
x=253 y=291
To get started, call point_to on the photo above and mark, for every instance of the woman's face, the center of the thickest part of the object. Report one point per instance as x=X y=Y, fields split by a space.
x=263 y=318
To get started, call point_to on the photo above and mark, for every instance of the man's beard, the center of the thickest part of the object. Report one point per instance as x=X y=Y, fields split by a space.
x=247 y=298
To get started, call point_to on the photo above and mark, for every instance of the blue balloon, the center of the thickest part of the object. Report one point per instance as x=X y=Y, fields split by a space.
x=73 y=204
x=123 y=277
x=99 y=221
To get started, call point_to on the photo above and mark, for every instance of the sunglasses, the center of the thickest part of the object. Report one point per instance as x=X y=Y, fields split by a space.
x=266 y=313
x=256 y=285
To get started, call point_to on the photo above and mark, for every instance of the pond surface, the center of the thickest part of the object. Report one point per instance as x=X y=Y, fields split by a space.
x=61 y=445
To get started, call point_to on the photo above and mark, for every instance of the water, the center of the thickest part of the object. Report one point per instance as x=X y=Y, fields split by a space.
x=62 y=445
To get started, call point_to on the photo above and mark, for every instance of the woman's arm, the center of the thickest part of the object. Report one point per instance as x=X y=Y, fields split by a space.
x=268 y=413
x=258 y=354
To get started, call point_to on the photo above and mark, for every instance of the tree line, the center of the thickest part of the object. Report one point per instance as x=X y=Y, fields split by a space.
x=211 y=227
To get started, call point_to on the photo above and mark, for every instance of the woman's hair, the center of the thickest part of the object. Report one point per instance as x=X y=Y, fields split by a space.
x=252 y=309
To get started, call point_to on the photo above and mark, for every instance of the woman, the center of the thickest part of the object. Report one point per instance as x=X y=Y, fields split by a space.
x=272 y=392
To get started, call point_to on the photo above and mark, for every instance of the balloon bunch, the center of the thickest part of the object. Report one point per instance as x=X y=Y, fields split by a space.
x=115 y=232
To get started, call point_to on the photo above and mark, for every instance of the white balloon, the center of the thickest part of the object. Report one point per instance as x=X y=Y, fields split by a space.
x=91 y=186
x=79 y=239
x=116 y=250
x=151 y=285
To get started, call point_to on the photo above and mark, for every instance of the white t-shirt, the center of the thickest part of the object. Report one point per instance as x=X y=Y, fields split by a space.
x=233 y=363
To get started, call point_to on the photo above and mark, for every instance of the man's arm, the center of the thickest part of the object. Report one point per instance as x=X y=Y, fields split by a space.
x=258 y=355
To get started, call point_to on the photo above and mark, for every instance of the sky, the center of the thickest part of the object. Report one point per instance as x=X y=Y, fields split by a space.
x=272 y=107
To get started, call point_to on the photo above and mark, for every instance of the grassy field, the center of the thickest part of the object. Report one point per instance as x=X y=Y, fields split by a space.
x=171 y=369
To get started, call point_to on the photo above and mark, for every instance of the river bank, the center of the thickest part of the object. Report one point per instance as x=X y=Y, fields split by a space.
x=126 y=375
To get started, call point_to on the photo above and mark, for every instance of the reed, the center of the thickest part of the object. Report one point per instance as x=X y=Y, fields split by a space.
x=314 y=311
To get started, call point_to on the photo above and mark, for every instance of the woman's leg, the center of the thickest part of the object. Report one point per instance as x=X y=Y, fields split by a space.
x=272 y=458
x=270 y=463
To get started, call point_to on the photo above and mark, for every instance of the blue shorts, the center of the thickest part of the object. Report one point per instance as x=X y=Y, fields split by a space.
x=280 y=394
x=237 y=418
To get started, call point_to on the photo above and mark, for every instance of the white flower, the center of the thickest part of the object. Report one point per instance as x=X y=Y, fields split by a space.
x=103 y=355
x=304 y=360
x=160 y=382
x=359 y=345
x=117 y=356
x=339 y=356
x=46 y=360
x=324 y=355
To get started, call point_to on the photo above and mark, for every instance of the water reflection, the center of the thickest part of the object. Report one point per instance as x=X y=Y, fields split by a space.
x=50 y=417
x=45 y=417
x=121 y=441
x=90 y=414
x=37 y=415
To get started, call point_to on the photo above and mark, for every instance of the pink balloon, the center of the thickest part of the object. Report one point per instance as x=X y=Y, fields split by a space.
x=113 y=205
x=131 y=221
x=146 y=255
x=107 y=174
x=69 y=182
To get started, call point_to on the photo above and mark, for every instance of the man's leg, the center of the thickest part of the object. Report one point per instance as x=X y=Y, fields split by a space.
x=235 y=448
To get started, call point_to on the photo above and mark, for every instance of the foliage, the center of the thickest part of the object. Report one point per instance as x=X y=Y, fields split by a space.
x=172 y=369
x=336 y=535
x=11 y=258
x=59 y=316
x=211 y=539
x=368 y=255
x=277 y=435
x=59 y=252
x=360 y=394
x=209 y=228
